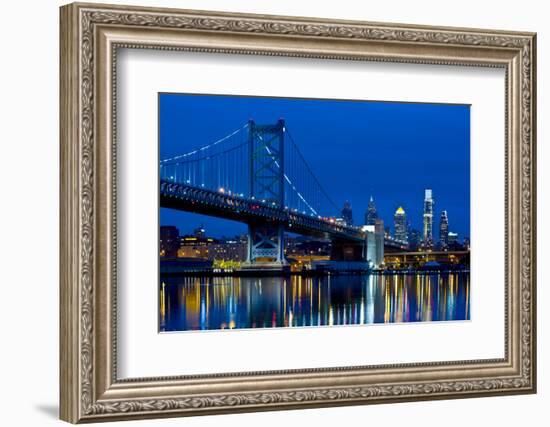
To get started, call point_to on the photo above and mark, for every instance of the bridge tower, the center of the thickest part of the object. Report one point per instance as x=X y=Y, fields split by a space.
x=267 y=185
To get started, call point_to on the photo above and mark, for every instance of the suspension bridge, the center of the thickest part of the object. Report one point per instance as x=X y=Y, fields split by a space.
x=257 y=175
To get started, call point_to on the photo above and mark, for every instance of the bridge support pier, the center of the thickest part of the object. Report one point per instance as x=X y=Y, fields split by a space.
x=265 y=250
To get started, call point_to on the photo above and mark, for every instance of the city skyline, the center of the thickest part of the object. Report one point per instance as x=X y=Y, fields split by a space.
x=391 y=151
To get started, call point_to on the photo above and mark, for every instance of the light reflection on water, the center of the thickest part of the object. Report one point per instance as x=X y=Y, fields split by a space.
x=209 y=303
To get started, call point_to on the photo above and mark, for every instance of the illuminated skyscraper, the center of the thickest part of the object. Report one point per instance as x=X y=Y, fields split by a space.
x=400 y=225
x=371 y=215
x=444 y=230
x=428 y=218
x=347 y=213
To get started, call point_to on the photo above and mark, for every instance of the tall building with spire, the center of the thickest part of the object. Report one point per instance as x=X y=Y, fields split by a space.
x=347 y=213
x=371 y=216
x=444 y=230
x=400 y=225
x=428 y=218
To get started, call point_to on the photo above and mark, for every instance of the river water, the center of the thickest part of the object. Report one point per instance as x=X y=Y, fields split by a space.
x=212 y=303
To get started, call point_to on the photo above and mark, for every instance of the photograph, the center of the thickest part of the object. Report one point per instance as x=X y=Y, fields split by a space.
x=278 y=212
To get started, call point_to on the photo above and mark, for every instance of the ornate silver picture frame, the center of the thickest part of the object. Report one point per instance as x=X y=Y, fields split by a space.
x=91 y=36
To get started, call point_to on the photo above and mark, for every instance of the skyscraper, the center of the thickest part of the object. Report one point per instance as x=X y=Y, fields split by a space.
x=347 y=213
x=453 y=240
x=444 y=230
x=415 y=238
x=400 y=225
x=428 y=218
x=371 y=215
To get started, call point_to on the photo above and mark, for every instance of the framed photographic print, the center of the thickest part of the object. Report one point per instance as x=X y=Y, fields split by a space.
x=265 y=212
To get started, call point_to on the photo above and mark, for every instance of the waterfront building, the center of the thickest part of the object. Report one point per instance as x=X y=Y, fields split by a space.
x=428 y=218
x=371 y=214
x=444 y=230
x=169 y=241
x=228 y=250
x=347 y=213
x=400 y=225
x=374 y=244
x=192 y=246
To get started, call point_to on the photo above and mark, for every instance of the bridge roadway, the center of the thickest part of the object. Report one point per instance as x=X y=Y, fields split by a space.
x=215 y=203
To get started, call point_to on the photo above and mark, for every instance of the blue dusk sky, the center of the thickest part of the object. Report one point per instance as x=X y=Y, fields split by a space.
x=390 y=150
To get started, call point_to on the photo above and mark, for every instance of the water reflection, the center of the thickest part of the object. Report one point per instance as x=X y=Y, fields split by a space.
x=201 y=303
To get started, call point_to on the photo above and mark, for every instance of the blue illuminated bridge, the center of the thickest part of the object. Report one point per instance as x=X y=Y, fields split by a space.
x=257 y=175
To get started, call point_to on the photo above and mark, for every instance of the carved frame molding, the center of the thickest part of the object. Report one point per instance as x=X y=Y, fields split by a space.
x=90 y=36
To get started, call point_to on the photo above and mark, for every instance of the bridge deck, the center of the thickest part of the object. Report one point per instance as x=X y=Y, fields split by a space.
x=199 y=200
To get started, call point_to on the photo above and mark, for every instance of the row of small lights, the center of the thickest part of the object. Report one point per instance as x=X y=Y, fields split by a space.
x=222 y=190
x=206 y=147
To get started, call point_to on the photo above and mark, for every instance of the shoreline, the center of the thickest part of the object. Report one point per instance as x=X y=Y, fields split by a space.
x=311 y=273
